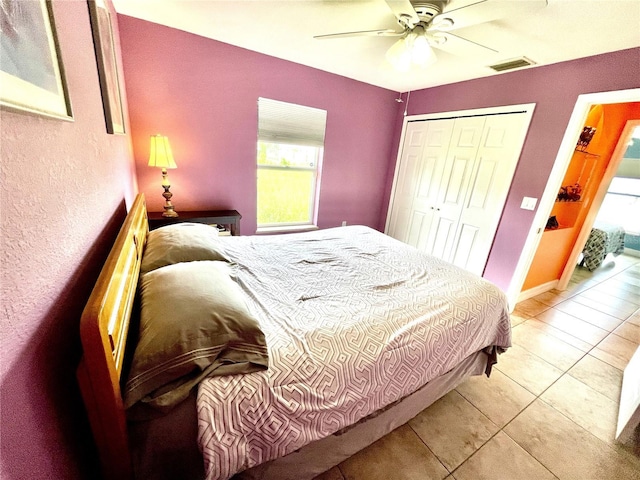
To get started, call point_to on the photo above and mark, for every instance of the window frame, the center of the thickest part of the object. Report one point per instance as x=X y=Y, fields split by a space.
x=286 y=126
x=315 y=189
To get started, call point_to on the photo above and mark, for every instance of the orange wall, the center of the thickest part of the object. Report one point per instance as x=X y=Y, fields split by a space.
x=556 y=245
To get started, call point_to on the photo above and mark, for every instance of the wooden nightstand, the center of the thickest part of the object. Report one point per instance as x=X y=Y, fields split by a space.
x=229 y=218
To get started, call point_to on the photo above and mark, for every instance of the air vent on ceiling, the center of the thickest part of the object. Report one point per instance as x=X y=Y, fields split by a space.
x=511 y=64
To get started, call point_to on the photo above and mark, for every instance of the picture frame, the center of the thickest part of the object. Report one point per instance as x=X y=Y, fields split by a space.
x=31 y=71
x=104 y=44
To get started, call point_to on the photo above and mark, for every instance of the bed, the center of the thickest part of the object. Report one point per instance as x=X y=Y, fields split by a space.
x=603 y=240
x=360 y=331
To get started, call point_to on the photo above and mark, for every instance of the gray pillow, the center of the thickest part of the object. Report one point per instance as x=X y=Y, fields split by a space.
x=182 y=242
x=194 y=323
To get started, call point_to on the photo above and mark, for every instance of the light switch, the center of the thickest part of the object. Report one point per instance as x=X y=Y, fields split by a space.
x=529 y=203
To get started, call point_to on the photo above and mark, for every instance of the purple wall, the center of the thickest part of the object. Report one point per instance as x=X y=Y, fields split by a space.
x=65 y=186
x=64 y=190
x=554 y=89
x=203 y=95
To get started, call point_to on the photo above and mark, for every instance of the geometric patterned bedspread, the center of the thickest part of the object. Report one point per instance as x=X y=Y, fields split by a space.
x=603 y=239
x=354 y=321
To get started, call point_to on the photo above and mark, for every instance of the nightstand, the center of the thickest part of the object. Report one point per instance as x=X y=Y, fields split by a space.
x=228 y=218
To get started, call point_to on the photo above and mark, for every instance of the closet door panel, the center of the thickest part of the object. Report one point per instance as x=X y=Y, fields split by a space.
x=458 y=167
x=442 y=232
x=462 y=249
x=419 y=176
x=495 y=165
x=419 y=229
x=406 y=182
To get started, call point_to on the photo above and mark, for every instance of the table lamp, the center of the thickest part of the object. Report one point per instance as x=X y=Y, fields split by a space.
x=160 y=156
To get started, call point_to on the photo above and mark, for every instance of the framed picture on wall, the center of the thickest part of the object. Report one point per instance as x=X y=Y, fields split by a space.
x=31 y=70
x=103 y=42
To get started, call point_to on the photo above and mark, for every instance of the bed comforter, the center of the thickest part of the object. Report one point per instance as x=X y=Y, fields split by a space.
x=354 y=321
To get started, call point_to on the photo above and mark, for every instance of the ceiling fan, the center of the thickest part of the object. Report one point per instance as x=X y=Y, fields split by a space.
x=429 y=24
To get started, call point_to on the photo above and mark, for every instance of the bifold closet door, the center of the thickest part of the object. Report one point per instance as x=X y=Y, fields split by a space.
x=452 y=192
x=493 y=170
x=418 y=180
x=452 y=181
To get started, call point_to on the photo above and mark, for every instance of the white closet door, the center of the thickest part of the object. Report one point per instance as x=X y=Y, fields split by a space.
x=432 y=166
x=420 y=170
x=496 y=160
x=458 y=167
x=406 y=181
x=452 y=180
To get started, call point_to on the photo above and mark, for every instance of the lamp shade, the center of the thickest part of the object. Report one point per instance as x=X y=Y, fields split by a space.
x=160 y=154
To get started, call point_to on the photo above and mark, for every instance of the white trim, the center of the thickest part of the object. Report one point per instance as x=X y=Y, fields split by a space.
x=532 y=292
x=285 y=229
x=572 y=133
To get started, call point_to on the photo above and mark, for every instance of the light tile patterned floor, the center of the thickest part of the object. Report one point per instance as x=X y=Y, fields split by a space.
x=550 y=408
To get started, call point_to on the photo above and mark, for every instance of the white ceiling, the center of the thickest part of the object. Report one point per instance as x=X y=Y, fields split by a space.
x=563 y=30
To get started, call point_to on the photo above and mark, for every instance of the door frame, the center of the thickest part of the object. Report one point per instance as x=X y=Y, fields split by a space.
x=525 y=108
x=610 y=172
x=567 y=146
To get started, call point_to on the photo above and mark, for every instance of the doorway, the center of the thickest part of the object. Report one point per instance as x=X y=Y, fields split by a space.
x=571 y=137
x=632 y=125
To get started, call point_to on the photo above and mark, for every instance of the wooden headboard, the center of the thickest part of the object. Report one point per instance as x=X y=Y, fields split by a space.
x=104 y=326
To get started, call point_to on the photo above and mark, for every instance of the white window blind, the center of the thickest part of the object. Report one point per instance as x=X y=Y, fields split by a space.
x=281 y=122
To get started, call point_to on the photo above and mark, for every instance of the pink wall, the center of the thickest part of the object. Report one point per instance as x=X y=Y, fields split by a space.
x=203 y=94
x=554 y=89
x=64 y=189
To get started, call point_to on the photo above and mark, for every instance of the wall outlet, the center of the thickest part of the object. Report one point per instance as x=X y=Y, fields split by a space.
x=344 y=223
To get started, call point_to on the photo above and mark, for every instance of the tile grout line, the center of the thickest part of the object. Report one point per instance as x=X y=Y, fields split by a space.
x=565 y=372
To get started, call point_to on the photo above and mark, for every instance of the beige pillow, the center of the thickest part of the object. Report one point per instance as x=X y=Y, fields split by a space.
x=182 y=242
x=194 y=323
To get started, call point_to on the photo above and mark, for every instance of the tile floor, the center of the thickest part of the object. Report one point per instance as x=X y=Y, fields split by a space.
x=549 y=410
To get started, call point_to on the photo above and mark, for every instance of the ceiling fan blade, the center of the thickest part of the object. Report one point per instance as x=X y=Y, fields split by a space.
x=459 y=46
x=484 y=11
x=404 y=12
x=361 y=33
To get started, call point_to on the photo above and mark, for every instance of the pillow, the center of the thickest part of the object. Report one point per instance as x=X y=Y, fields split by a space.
x=181 y=242
x=194 y=323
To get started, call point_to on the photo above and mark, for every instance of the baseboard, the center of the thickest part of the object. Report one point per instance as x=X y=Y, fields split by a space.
x=532 y=292
x=632 y=252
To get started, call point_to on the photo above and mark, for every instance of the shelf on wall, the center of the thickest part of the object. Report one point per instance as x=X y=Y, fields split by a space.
x=589 y=154
x=560 y=228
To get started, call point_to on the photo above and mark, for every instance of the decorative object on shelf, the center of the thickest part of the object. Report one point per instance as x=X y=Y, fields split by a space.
x=107 y=66
x=585 y=137
x=31 y=71
x=160 y=155
x=552 y=223
x=570 y=193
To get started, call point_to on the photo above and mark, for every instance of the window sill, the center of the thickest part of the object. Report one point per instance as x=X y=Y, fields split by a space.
x=285 y=229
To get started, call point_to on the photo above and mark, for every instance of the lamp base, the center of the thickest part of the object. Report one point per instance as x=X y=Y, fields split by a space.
x=169 y=212
x=168 y=206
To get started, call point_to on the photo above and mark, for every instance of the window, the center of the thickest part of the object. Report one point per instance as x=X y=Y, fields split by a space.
x=621 y=204
x=289 y=159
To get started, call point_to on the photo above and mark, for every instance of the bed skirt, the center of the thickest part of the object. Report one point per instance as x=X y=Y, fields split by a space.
x=166 y=448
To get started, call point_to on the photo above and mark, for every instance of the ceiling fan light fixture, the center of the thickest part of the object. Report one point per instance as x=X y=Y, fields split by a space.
x=421 y=53
x=399 y=55
x=411 y=50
